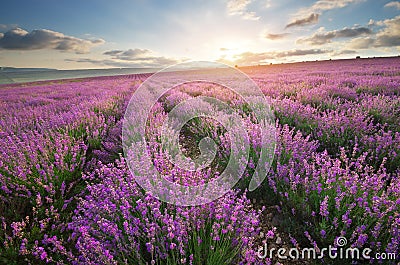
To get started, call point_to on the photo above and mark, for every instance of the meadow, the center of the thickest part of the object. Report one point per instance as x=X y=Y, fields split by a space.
x=67 y=195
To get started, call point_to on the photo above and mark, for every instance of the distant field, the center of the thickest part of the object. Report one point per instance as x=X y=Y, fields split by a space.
x=68 y=197
x=16 y=75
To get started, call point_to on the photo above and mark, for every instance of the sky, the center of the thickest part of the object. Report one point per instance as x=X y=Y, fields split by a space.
x=78 y=34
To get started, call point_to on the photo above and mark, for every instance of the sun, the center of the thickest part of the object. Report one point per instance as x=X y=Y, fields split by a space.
x=231 y=50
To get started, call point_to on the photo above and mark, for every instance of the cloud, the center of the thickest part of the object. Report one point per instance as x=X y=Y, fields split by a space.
x=310 y=15
x=311 y=19
x=325 y=5
x=250 y=16
x=388 y=36
x=113 y=52
x=7 y=27
x=276 y=36
x=250 y=58
x=393 y=4
x=239 y=7
x=129 y=58
x=327 y=37
x=129 y=55
x=19 y=39
x=290 y=53
x=371 y=22
x=361 y=43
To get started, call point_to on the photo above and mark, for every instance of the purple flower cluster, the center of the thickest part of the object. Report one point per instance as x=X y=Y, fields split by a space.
x=49 y=135
x=117 y=222
x=338 y=151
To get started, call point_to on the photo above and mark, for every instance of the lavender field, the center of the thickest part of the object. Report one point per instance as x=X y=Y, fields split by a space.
x=67 y=195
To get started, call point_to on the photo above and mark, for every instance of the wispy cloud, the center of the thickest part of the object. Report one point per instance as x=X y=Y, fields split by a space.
x=309 y=20
x=277 y=36
x=239 y=7
x=393 y=4
x=7 y=27
x=131 y=54
x=250 y=58
x=19 y=39
x=113 y=52
x=129 y=58
x=310 y=15
x=325 y=5
x=327 y=37
x=296 y=52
